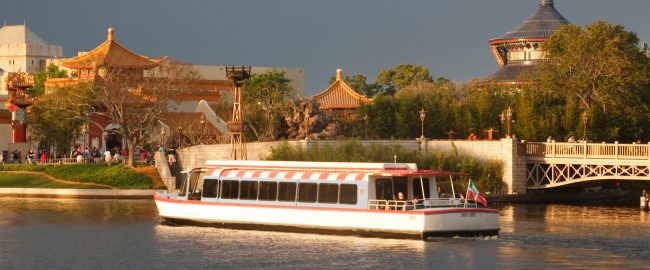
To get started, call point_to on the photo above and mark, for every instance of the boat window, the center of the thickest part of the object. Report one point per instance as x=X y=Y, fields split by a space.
x=348 y=194
x=195 y=182
x=328 y=193
x=287 y=192
x=384 y=189
x=229 y=189
x=210 y=188
x=400 y=184
x=248 y=190
x=417 y=189
x=307 y=192
x=268 y=191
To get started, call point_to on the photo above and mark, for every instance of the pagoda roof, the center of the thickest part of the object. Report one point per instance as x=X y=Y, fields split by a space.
x=542 y=24
x=511 y=73
x=339 y=95
x=111 y=53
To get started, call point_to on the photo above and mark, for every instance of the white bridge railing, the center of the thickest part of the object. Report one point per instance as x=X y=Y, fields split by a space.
x=585 y=150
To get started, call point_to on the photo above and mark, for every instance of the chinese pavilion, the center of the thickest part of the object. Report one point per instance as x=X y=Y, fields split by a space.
x=110 y=57
x=519 y=50
x=340 y=96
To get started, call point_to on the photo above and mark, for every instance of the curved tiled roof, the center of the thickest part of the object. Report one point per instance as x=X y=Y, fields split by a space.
x=542 y=24
x=340 y=95
x=512 y=72
x=111 y=53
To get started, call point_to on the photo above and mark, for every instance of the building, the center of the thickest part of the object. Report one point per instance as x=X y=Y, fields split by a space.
x=519 y=50
x=340 y=96
x=110 y=57
x=21 y=53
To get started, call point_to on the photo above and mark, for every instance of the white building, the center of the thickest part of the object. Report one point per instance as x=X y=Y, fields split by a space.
x=20 y=51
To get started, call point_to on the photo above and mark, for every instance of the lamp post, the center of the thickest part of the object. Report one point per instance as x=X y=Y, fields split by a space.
x=202 y=122
x=162 y=136
x=422 y=115
x=585 y=122
x=180 y=132
x=83 y=137
x=509 y=118
x=503 y=119
x=365 y=123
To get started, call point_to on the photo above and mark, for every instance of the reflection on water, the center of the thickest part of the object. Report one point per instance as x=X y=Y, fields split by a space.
x=124 y=234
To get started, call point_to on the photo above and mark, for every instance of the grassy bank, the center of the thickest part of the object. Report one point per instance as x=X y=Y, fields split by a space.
x=117 y=175
x=15 y=180
x=487 y=174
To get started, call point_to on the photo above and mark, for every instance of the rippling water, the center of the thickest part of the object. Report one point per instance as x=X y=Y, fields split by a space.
x=125 y=234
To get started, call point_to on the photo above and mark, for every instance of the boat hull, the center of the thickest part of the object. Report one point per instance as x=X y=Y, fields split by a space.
x=415 y=224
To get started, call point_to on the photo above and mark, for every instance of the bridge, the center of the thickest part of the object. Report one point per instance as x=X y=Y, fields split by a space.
x=551 y=165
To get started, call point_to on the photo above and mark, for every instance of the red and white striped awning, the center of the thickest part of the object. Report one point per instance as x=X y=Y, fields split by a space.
x=294 y=175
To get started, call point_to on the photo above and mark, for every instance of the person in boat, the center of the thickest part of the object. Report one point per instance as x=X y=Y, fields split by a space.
x=400 y=196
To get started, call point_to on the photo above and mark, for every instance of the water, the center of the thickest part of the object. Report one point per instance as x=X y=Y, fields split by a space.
x=127 y=234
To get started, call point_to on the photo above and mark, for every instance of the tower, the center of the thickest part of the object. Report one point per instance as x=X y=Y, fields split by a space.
x=236 y=126
x=519 y=50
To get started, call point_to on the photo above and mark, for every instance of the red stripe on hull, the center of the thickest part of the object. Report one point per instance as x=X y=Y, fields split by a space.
x=300 y=207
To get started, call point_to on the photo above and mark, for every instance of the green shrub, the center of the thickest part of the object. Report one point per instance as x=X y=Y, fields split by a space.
x=118 y=175
x=488 y=175
x=22 y=167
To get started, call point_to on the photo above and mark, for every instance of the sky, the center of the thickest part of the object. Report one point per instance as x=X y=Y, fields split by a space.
x=449 y=37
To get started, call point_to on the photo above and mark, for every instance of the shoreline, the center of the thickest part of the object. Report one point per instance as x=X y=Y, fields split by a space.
x=78 y=193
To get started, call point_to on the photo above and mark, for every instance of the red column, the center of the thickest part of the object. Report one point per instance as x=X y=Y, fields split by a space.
x=19 y=133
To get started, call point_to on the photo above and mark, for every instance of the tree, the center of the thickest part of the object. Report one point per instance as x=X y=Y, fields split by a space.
x=601 y=67
x=136 y=103
x=52 y=71
x=57 y=117
x=268 y=92
x=397 y=77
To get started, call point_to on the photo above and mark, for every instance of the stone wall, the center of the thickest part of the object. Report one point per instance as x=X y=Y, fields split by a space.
x=505 y=150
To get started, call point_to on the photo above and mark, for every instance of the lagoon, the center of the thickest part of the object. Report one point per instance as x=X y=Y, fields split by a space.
x=127 y=234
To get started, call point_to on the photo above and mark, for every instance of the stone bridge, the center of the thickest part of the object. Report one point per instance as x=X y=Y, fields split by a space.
x=551 y=165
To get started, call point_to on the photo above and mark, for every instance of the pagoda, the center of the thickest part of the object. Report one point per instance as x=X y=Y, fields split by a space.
x=17 y=83
x=340 y=96
x=111 y=59
x=519 y=50
x=110 y=56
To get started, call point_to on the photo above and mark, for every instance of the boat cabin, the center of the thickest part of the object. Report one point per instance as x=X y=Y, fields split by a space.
x=380 y=186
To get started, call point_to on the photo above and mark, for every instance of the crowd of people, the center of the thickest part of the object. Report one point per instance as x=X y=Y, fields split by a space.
x=17 y=157
x=81 y=154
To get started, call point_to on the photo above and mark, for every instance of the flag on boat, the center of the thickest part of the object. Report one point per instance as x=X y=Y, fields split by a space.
x=473 y=194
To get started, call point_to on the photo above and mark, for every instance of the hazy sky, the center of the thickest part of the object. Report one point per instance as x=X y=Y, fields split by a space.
x=360 y=36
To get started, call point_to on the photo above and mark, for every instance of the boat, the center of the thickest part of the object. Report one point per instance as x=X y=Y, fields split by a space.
x=324 y=197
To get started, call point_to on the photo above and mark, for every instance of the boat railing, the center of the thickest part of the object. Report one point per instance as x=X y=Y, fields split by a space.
x=400 y=205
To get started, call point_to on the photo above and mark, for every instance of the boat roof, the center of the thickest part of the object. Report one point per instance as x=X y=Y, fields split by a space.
x=332 y=171
x=311 y=165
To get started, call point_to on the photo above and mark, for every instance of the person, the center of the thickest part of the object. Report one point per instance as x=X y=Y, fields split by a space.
x=107 y=156
x=30 y=156
x=43 y=157
x=400 y=196
x=572 y=139
x=2 y=158
x=549 y=139
x=116 y=157
x=645 y=194
x=171 y=156
x=143 y=155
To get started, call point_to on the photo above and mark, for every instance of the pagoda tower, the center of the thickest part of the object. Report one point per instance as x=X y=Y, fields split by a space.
x=108 y=59
x=16 y=84
x=519 y=50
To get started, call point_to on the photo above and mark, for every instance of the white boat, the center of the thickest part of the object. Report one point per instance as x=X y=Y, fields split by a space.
x=324 y=197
